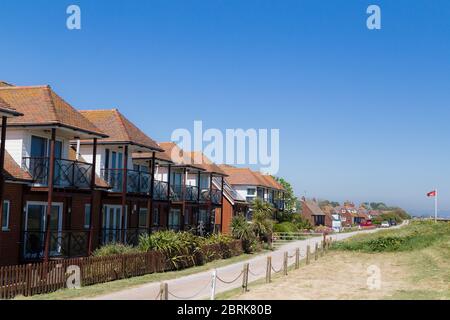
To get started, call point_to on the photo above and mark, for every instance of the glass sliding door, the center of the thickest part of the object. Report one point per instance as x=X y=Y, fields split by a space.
x=174 y=219
x=112 y=224
x=34 y=235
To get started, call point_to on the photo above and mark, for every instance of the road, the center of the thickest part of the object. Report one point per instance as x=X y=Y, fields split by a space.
x=198 y=286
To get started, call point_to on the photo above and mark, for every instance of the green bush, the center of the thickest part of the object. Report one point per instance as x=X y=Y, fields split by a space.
x=415 y=236
x=241 y=229
x=114 y=249
x=178 y=247
x=285 y=227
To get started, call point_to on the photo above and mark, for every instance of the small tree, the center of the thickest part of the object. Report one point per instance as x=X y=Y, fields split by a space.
x=262 y=222
x=241 y=229
x=290 y=205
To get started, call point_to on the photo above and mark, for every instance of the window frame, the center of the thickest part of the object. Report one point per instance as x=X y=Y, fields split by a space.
x=140 y=214
x=87 y=226
x=8 y=216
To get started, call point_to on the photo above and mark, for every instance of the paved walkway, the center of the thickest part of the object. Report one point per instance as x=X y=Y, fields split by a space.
x=198 y=286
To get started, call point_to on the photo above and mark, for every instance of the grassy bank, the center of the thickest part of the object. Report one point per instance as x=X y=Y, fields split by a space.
x=416 y=265
x=415 y=236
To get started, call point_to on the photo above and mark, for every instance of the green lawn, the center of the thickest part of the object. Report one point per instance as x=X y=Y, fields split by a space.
x=104 y=288
x=414 y=262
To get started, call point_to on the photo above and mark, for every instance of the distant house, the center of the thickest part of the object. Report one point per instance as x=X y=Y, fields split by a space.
x=315 y=215
x=251 y=185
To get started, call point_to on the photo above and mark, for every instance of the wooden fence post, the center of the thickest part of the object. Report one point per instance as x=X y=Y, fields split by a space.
x=285 y=263
x=269 y=270
x=308 y=253
x=164 y=291
x=245 y=278
x=316 y=252
x=297 y=258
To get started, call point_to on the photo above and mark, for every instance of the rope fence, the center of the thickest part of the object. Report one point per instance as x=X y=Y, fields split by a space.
x=319 y=251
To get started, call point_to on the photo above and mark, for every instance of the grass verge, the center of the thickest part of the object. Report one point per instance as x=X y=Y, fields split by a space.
x=114 y=286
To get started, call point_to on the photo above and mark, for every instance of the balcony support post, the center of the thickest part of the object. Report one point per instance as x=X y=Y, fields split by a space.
x=210 y=203
x=221 y=206
x=2 y=165
x=183 y=197
x=51 y=172
x=124 y=191
x=198 y=186
x=150 y=197
x=91 y=224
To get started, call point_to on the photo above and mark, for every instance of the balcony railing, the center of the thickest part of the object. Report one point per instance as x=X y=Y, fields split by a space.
x=191 y=194
x=137 y=182
x=160 y=190
x=128 y=236
x=63 y=244
x=176 y=192
x=214 y=195
x=67 y=173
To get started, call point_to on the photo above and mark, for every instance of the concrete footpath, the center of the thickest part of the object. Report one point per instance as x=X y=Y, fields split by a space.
x=198 y=286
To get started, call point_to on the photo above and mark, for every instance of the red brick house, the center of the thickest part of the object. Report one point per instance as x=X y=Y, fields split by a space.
x=312 y=212
x=45 y=192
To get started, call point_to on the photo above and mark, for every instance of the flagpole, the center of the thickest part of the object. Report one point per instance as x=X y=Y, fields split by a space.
x=436 y=206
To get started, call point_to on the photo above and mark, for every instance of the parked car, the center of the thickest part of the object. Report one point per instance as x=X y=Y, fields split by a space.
x=393 y=223
x=367 y=223
x=385 y=224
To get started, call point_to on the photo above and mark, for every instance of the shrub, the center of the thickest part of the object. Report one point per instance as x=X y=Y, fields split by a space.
x=285 y=227
x=301 y=223
x=242 y=230
x=178 y=247
x=415 y=236
x=262 y=223
x=114 y=249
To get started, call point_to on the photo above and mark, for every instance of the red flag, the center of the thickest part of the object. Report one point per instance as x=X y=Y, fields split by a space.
x=432 y=194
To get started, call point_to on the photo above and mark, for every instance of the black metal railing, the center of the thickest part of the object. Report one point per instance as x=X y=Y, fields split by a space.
x=216 y=196
x=63 y=244
x=67 y=173
x=176 y=192
x=160 y=190
x=191 y=194
x=205 y=195
x=129 y=236
x=137 y=182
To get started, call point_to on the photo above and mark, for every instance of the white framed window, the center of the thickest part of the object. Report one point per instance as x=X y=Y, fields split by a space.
x=87 y=216
x=5 y=215
x=251 y=191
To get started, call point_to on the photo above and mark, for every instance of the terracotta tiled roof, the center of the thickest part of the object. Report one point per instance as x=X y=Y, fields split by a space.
x=6 y=108
x=275 y=183
x=13 y=171
x=241 y=176
x=172 y=151
x=206 y=163
x=43 y=107
x=119 y=129
x=162 y=156
x=245 y=176
x=313 y=207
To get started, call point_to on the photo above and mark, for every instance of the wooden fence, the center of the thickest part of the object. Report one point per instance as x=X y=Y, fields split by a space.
x=46 y=277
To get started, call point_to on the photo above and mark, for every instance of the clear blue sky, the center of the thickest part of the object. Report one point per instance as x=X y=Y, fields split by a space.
x=364 y=115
